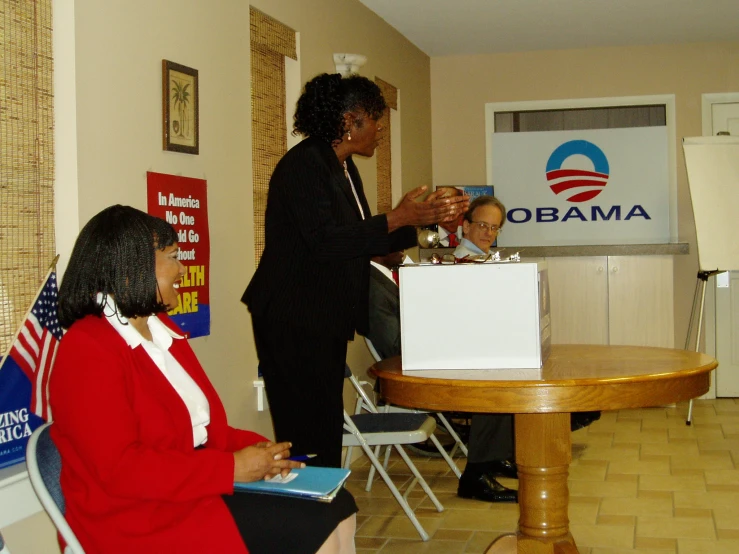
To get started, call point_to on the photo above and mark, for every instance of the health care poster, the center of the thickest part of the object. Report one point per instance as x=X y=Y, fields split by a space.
x=182 y=201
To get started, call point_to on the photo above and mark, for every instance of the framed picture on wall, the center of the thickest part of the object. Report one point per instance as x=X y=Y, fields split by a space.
x=180 y=98
x=450 y=233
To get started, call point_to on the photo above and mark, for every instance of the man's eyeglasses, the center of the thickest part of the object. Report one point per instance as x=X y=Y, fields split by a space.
x=482 y=226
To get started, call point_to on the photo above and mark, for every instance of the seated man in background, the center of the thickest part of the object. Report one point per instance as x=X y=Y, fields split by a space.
x=491 y=435
x=480 y=226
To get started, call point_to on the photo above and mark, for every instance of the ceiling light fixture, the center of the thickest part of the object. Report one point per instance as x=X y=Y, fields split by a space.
x=346 y=64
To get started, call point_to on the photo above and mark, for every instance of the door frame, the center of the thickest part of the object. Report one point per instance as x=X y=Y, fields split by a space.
x=709 y=317
x=707 y=102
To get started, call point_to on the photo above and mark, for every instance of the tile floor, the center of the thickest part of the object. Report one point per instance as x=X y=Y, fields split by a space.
x=641 y=481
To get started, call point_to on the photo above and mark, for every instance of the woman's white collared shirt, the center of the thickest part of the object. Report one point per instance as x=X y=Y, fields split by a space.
x=158 y=350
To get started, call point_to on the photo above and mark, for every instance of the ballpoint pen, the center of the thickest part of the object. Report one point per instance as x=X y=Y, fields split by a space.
x=302 y=458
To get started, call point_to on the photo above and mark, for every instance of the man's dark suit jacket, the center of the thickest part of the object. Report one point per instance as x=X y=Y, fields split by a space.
x=314 y=271
x=384 y=314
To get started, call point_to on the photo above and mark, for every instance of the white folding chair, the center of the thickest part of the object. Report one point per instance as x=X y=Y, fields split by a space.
x=458 y=443
x=44 y=469
x=372 y=428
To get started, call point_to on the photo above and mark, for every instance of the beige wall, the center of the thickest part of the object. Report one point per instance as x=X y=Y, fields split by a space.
x=462 y=85
x=114 y=86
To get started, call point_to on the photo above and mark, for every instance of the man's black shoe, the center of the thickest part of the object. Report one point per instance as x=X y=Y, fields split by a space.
x=485 y=487
x=502 y=468
x=578 y=420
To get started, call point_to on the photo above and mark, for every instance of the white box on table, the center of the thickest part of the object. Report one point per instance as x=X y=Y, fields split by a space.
x=475 y=316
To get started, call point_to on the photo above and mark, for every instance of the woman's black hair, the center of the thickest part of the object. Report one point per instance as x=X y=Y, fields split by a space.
x=115 y=254
x=325 y=100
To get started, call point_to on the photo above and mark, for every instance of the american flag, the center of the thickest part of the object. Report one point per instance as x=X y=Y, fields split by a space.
x=34 y=349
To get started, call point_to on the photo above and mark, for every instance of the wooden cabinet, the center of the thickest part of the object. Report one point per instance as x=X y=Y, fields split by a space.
x=578 y=295
x=612 y=300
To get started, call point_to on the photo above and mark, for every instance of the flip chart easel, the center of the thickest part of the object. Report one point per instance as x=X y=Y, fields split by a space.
x=712 y=164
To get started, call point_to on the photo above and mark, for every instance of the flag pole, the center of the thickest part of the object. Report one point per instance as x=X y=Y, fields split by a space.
x=52 y=267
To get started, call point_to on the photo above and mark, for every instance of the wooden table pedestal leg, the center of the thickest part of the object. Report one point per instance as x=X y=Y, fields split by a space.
x=543 y=454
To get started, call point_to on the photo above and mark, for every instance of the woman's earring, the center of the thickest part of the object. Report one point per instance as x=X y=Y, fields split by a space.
x=349 y=135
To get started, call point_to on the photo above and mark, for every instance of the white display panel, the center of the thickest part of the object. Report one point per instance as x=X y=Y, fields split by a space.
x=712 y=164
x=600 y=186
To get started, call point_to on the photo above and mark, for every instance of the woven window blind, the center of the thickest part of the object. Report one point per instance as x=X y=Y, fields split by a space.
x=271 y=41
x=384 y=155
x=26 y=157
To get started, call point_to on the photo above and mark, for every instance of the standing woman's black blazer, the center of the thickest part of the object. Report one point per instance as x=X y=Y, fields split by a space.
x=314 y=271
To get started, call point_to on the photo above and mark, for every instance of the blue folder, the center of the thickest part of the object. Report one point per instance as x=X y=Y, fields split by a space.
x=315 y=483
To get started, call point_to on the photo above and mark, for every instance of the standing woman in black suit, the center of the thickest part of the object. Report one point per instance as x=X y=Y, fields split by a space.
x=309 y=294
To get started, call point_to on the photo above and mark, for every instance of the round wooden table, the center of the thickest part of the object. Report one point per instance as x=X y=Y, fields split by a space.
x=575 y=378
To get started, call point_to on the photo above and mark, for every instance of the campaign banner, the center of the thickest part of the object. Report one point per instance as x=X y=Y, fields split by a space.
x=602 y=186
x=25 y=372
x=182 y=201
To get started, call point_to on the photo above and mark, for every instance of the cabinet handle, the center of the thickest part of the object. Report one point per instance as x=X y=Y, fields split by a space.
x=600 y=269
x=615 y=269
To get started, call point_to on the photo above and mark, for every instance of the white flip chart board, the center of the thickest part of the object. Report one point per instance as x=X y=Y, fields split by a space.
x=713 y=178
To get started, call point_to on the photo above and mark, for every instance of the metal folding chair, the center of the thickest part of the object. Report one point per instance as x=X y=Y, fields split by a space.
x=458 y=442
x=368 y=427
x=44 y=469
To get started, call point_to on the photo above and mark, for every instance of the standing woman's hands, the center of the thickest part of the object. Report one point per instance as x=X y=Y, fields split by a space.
x=263 y=460
x=434 y=209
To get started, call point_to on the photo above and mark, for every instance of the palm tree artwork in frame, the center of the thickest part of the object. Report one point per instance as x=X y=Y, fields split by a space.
x=180 y=98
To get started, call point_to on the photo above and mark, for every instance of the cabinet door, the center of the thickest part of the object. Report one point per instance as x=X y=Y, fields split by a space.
x=640 y=301
x=578 y=292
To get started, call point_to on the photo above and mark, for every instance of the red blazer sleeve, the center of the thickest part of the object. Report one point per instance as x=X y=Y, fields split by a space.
x=237 y=439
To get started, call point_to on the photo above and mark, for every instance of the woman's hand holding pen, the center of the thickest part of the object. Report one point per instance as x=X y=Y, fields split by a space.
x=262 y=460
x=434 y=209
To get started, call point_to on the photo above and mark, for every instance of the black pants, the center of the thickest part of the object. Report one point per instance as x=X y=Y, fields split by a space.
x=304 y=380
x=277 y=525
x=491 y=438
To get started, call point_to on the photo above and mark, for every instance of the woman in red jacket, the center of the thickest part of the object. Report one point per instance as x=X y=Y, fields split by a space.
x=148 y=458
